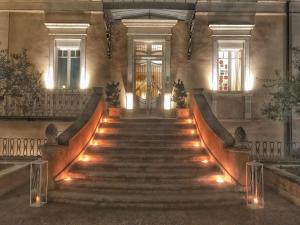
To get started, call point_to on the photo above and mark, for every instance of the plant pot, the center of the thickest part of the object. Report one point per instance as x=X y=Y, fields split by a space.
x=114 y=112
x=183 y=112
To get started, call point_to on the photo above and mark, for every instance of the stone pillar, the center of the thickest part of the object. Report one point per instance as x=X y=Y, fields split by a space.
x=248 y=110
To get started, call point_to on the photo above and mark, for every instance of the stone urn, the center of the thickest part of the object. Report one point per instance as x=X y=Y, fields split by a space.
x=182 y=113
x=114 y=112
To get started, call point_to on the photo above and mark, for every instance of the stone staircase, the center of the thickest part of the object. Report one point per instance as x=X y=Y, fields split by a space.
x=146 y=163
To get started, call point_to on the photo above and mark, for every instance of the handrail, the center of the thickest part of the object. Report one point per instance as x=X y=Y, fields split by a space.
x=218 y=141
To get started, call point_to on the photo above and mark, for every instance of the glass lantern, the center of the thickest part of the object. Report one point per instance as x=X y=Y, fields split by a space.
x=255 y=185
x=38 y=183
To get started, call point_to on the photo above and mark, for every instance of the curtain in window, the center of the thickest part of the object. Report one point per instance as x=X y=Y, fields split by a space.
x=235 y=70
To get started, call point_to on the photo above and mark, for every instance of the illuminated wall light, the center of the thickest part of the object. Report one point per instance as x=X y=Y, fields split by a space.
x=190 y=121
x=49 y=79
x=213 y=81
x=249 y=82
x=105 y=120
x=129 y=100
x=84 y=79
x=167 y=101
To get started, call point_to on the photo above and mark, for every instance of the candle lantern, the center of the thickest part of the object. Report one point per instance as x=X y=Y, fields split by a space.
x=255 y=184
x=38 y=183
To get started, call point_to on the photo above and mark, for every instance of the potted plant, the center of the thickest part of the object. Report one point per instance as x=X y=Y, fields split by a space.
x=179 y=97
x=112 y=92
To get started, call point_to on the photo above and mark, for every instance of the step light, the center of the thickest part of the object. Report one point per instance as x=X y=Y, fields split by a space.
x=220 y=180
x=205 y=161
x=190 y=121
x=84 y=158
x=100 y=130
x=68 y=179
x=197 y=144
x=193 y=131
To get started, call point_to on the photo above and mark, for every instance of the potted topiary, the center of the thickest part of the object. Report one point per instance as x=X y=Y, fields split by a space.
x=112 y=92
x=179 y=97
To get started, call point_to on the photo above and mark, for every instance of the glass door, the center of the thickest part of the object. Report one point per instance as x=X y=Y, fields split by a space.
x=148 y=75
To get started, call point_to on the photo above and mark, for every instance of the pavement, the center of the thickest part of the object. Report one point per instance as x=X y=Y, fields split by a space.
x=15 y=210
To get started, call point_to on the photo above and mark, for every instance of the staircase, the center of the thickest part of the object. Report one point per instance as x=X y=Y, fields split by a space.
x=156 y=163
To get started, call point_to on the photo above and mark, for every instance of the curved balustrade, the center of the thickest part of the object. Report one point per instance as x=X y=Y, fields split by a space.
x=218 y=140
x=75 y=138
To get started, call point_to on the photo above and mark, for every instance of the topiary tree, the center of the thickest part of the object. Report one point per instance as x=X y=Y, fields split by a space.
x=19 y=80
x=179 y=94
x=112 y=92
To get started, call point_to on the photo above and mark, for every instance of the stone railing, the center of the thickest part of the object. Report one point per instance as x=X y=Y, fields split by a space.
x=74 y=139
x=20 y=147
x=54 y=104
x=218 y=141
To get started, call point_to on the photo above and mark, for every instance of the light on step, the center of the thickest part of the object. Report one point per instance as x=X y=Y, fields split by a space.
x=220 y=180
x=193 y=131
x=68 y=179
x=197 y=144
x=100 y=130
x=205 y=161
x=255 y=200
x=84 y=158
x=105 y=120
x=190 y=121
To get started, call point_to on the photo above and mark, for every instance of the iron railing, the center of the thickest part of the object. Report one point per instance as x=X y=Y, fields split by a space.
x=20 y=147
x=60 y=103
x=273 y=150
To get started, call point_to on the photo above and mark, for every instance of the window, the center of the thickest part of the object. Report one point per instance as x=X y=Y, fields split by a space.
x=68 y=68
x=229 y=69
x=231 y=58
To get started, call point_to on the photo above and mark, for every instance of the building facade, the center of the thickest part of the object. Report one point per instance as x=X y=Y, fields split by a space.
x=225 y=47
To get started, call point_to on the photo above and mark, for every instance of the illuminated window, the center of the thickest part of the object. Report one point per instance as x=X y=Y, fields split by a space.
x=68 y=68
x=229 y=69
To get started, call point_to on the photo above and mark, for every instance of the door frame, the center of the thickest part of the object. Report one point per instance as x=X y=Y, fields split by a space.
x=148 y=60
x=151 y=30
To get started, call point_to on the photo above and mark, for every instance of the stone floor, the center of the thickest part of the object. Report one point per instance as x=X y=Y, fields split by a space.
x=14 y=210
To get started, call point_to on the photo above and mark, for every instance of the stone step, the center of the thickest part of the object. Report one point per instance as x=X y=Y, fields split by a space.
x=146 y=143
x=108 y=190
x=142 y=183
x=145 y=157
x=144 y=174
x=147 y=136
x=150 y=121
x=146 y=131
x=143 y=166
x=146 y=150
x=149 y=201
x=140 y=165
x=149 y=126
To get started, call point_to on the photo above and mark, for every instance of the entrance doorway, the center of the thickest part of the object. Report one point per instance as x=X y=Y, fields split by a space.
x=149 y=75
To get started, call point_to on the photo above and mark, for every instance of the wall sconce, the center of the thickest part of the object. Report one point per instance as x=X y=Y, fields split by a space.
x=255 y=185
x=129 y=100
x=167 y=101
x=49 y=79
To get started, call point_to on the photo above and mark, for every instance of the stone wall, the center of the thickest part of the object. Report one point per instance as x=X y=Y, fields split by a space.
x=28 y=129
